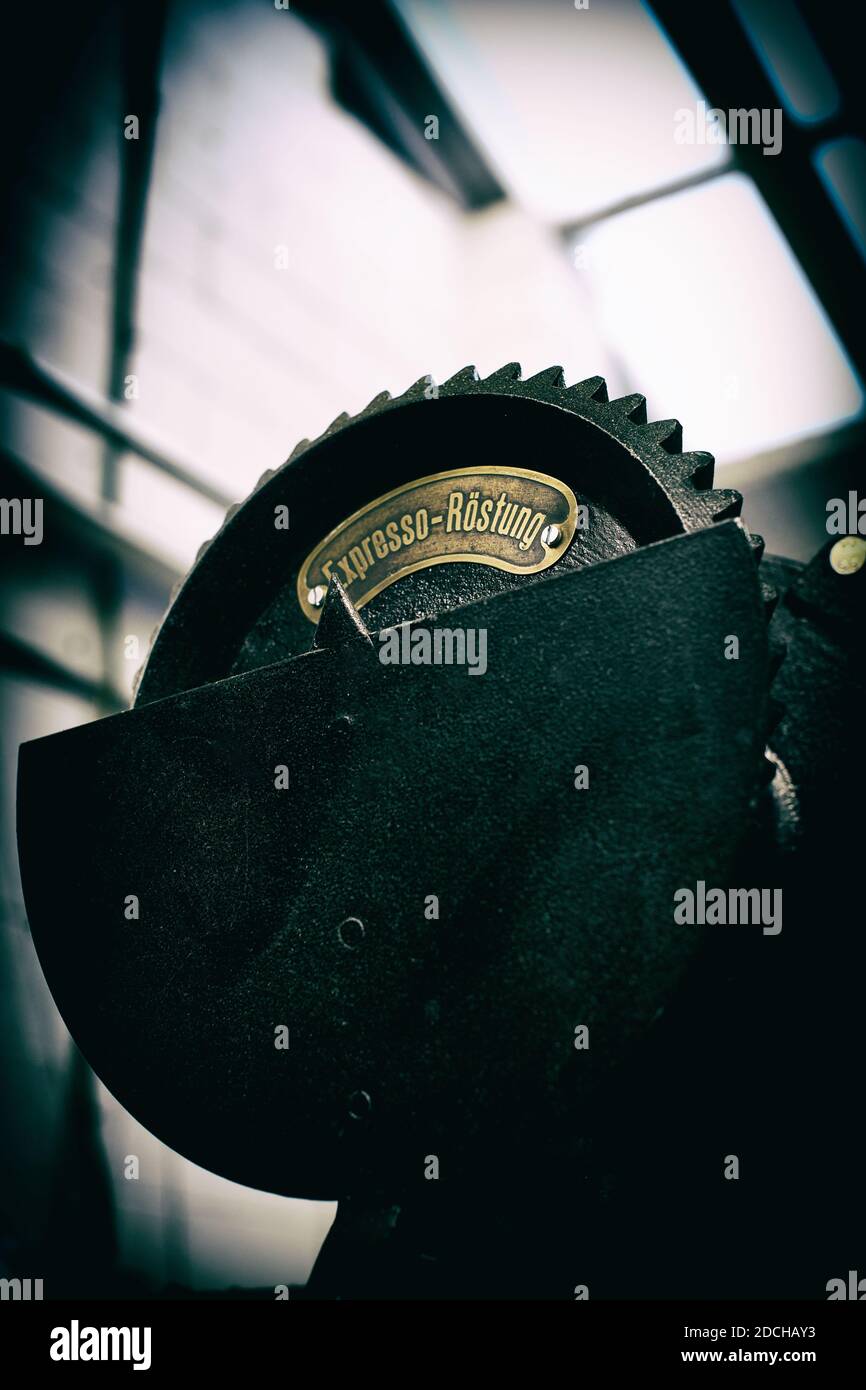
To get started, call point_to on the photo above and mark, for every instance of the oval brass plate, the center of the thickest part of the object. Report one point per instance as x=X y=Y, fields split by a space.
x=482 y=516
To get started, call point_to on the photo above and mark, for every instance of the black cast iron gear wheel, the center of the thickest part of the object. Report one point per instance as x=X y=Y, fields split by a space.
x=396 y=866
x=307 y=908
x=238 y=610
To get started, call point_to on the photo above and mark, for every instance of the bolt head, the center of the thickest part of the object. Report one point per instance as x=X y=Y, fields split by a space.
x=848 y=555
x=551 y=536
x=351 y=932
x=316 y=596
x=360 y=1105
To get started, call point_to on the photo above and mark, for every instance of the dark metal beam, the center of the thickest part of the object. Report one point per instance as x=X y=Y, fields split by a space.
x=86 y=530
x=379 y=74
x=573 y=229
x=21 y=659
x=141 y=40
x=20 y=371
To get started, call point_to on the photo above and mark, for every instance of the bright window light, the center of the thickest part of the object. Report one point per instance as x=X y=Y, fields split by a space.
x=575 y=109
x=715 y=321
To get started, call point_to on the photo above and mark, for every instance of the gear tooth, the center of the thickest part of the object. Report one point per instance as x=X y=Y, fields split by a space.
x=265 y=478
x=467 y=376
x=336 y=424
x=594 y=388
x=704 y=508
x=757 y=544
x=700 y=466
x=769 y=598
x=693 y=470
x=382 y=399
x=550 y=376
x=725 y=502
x=339 y=624
x=631 y=407
x=418 y=388
x=298 y=449
x=664 y=434
x=510 y=372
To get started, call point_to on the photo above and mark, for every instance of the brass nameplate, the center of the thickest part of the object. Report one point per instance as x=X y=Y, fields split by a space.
x=509 y=518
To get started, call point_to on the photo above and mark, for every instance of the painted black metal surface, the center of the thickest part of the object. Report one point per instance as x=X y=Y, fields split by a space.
x=405 y=781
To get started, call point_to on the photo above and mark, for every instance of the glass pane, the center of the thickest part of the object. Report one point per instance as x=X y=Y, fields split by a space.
x=575 y=109
x=715 y=321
